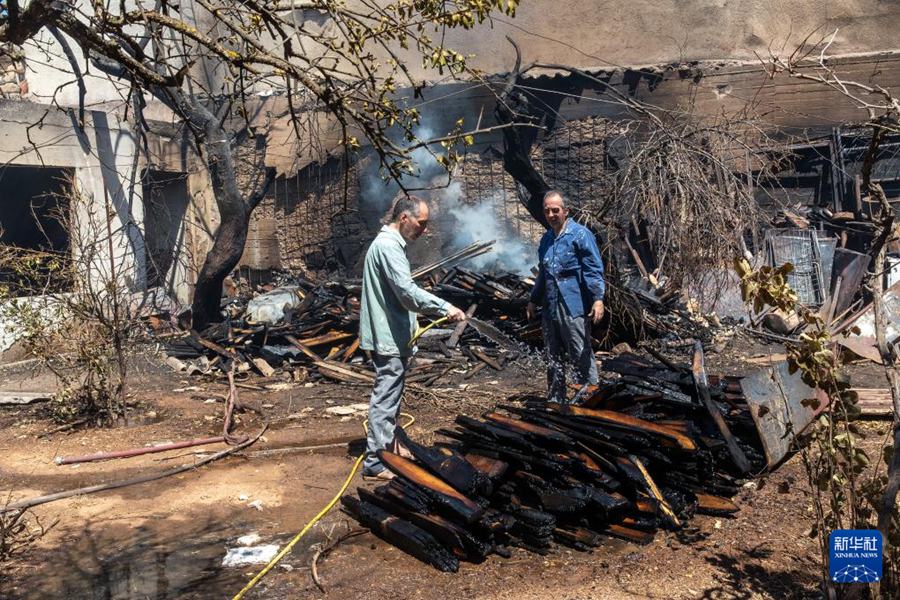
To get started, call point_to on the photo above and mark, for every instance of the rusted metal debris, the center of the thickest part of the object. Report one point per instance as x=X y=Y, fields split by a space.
x=782 y=406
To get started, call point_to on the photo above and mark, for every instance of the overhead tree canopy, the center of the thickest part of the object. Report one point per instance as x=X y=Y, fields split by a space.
x=203 y=59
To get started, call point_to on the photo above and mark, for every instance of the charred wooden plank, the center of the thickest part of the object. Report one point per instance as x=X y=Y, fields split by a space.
x=683 y=441
x=474 y=371
x=490 y=467
x=529 y=429
x=665 y=361
x=453 y=342
x=642 y=523
x=406 y=494
x=404 y=535
x=498 y=434
x=627 y=533
x=302 y=347
x=652 y=488
x=442 y=494
x=590 y=432
x=542 y=550
x=445 y=463
x=459 y=540
x=708 y=504
x=229 y=354
x=486 y=359
x=495 y=522
x=609 y=503
x=518 y=458
x=588 y=467
x=646 y=505
x=583 y=430
x=608 y=465
x=579 y=538
x=553 y=498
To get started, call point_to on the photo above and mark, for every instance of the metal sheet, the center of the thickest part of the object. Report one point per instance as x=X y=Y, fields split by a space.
x=826 y=255
x=776 y=400
x=850 y=266
x=866 y=319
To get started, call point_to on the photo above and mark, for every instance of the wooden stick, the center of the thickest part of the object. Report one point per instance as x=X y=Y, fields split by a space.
x=486 y=359
x=302 y=347
x=292 y=449
x=321 y=552
x=65 y=427
x=461 y=326
x=326 y=338
x=351 y=350
x=699 y=372
x=668 y=363
x=654 y=491
x=431 y=381
x=338 y=371
x=214 y=347
x=472 y=373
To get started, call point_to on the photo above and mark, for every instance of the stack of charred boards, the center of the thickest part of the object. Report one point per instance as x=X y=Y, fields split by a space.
x=534 y=474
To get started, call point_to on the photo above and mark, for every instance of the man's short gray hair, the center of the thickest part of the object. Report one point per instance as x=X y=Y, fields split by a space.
x=406 y=204
x=551 y=193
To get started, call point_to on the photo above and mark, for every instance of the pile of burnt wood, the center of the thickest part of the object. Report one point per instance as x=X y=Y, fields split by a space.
x=645 y=451
x=318 y=337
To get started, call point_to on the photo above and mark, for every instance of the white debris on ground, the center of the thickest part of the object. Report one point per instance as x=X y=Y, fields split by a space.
x=249 y=555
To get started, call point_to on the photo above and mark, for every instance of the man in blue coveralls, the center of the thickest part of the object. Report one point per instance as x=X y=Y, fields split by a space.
x=570 y=287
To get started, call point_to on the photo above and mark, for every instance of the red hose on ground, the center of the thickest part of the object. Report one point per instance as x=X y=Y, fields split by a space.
x=61 y=460
x=227 y=436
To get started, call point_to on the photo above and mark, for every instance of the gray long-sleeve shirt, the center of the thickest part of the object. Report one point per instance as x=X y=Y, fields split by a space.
x=390 y=298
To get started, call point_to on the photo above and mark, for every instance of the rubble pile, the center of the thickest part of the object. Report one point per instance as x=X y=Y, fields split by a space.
x=307 y=331
x=643 y=452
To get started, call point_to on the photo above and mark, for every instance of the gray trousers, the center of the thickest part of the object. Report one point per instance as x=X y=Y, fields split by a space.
x=384 y=404
x=567 y=340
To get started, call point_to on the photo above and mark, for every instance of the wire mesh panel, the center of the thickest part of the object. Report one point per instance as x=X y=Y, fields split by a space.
x=800 y=247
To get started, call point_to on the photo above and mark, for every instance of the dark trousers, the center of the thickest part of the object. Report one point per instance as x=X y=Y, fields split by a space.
x=567 y=341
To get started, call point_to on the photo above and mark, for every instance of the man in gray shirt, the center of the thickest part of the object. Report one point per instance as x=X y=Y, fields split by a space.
x=387 y=321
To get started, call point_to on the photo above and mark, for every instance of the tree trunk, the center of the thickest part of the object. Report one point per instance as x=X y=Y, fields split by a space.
x=223 y=257
x=514 y=107
x=234 y=220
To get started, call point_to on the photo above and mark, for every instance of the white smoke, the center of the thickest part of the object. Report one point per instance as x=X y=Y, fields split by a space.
x=378 y=194
x=467 y=223
x=480 y=222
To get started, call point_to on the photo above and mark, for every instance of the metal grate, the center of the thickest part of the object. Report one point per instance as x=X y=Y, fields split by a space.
x=800 y=247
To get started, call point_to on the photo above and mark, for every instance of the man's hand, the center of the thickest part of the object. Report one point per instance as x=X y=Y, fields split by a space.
x=597 y=311
x=531 y=311
x=455 y=315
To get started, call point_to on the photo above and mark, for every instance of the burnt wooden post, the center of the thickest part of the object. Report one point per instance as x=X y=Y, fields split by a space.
x=699 y=371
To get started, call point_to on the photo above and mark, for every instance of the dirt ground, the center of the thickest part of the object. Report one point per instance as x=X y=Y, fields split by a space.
x=167 y=538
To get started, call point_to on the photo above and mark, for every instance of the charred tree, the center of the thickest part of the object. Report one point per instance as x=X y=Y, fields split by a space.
x=216 y=144
x=514 y=108
x=234 y=217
